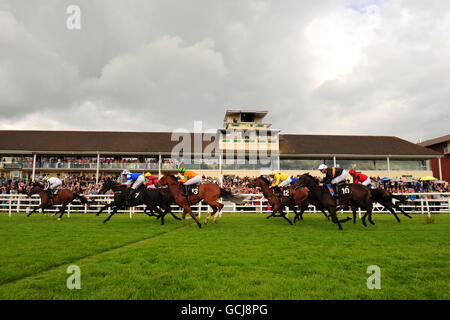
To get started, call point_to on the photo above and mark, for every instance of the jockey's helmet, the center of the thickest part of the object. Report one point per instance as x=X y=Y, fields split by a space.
x=125 y=172
x=352 y=171
x=182 y=170
x=322 y=167
x=147 y=174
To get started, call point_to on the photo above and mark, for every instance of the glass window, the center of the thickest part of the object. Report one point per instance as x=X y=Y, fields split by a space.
x=303 y=164
x=362 y=164
x=409 y=165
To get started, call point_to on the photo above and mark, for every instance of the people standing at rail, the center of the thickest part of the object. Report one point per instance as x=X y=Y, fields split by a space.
x=189 y=178
x=360 y=178
x=135 y=180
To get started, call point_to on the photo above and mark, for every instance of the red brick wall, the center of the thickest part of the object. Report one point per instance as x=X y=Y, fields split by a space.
x=445 y=163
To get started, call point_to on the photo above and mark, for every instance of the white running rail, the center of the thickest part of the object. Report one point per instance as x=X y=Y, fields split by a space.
x=425 y=203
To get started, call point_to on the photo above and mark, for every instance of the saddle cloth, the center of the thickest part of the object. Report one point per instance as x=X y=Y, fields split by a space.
x=192 y=189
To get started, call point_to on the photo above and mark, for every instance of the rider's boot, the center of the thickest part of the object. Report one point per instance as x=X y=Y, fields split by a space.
x=185 y=191
x=130 y=195
x=50 y=195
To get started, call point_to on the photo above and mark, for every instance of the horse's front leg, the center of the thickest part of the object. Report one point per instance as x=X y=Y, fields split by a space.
x=34 y=210
x=106 y=206
x=187 y=209
x=112 y=213
x=284 y=216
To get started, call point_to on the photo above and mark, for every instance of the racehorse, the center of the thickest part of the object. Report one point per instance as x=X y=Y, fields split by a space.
x=63 y=197
x=207 y=192
x=151 y=198
x=385 y=198
x=297 y=197
x=323 y=196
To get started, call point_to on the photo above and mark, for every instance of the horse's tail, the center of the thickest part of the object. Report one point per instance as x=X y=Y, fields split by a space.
x=235 y=198
x=401 y=198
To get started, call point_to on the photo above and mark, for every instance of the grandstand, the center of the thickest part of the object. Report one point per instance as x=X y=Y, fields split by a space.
x=245 y=146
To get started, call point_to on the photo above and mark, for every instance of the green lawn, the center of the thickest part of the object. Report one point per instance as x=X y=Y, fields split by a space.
x=244 y=256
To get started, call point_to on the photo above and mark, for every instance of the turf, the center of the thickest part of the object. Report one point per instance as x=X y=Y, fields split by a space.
x=244 y=256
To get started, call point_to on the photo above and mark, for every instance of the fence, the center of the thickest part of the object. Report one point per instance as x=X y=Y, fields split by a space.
x=424 y=203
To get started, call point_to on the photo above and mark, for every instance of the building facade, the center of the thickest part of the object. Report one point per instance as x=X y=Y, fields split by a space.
x=245 y=146
x=440 y=166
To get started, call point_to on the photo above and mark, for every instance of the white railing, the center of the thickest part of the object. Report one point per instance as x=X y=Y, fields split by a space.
x=425 y=203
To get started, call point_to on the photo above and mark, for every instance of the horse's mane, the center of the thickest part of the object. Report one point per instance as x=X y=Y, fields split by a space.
x=266 y=181
x=37 y=184
x=113 y=181
x=307 y=175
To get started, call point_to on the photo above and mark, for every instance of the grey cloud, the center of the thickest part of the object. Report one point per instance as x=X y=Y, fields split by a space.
x=328 y=67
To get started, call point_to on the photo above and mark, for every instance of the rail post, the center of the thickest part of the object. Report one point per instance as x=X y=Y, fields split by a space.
x=428 y=208
x=10 y=204
x=18 y=205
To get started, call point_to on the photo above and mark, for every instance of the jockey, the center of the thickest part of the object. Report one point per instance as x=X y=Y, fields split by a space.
x=281 y=180
x=360 y=178
x=151 y=180
x=51 y=183
x=333 y=176
x=189 y=178
x=135 y=180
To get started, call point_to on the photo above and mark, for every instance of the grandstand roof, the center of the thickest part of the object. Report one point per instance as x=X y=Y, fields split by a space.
x=434 y=141
x=161 y=142
x=350 y=145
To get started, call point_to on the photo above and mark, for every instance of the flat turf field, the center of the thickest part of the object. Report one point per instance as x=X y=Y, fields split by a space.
x=244 y=256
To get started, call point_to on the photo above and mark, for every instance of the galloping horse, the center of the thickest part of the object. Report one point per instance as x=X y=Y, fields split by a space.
x=63 y=197
x=323 y=196
x=384 y=198
x=208 y=192
x=297 y=197
x=151 y=198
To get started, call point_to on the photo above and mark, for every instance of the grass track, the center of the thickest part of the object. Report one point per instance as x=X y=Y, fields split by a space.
x=244 y=256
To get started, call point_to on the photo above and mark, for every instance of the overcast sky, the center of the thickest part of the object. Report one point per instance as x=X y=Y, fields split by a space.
x=359 y=67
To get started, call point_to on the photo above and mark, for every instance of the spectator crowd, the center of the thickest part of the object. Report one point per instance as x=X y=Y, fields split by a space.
x=87 y=185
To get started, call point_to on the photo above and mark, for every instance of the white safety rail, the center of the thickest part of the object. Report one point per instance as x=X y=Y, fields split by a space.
x=425 y=203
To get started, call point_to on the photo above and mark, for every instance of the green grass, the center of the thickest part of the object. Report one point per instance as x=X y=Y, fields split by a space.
x=244 y=256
